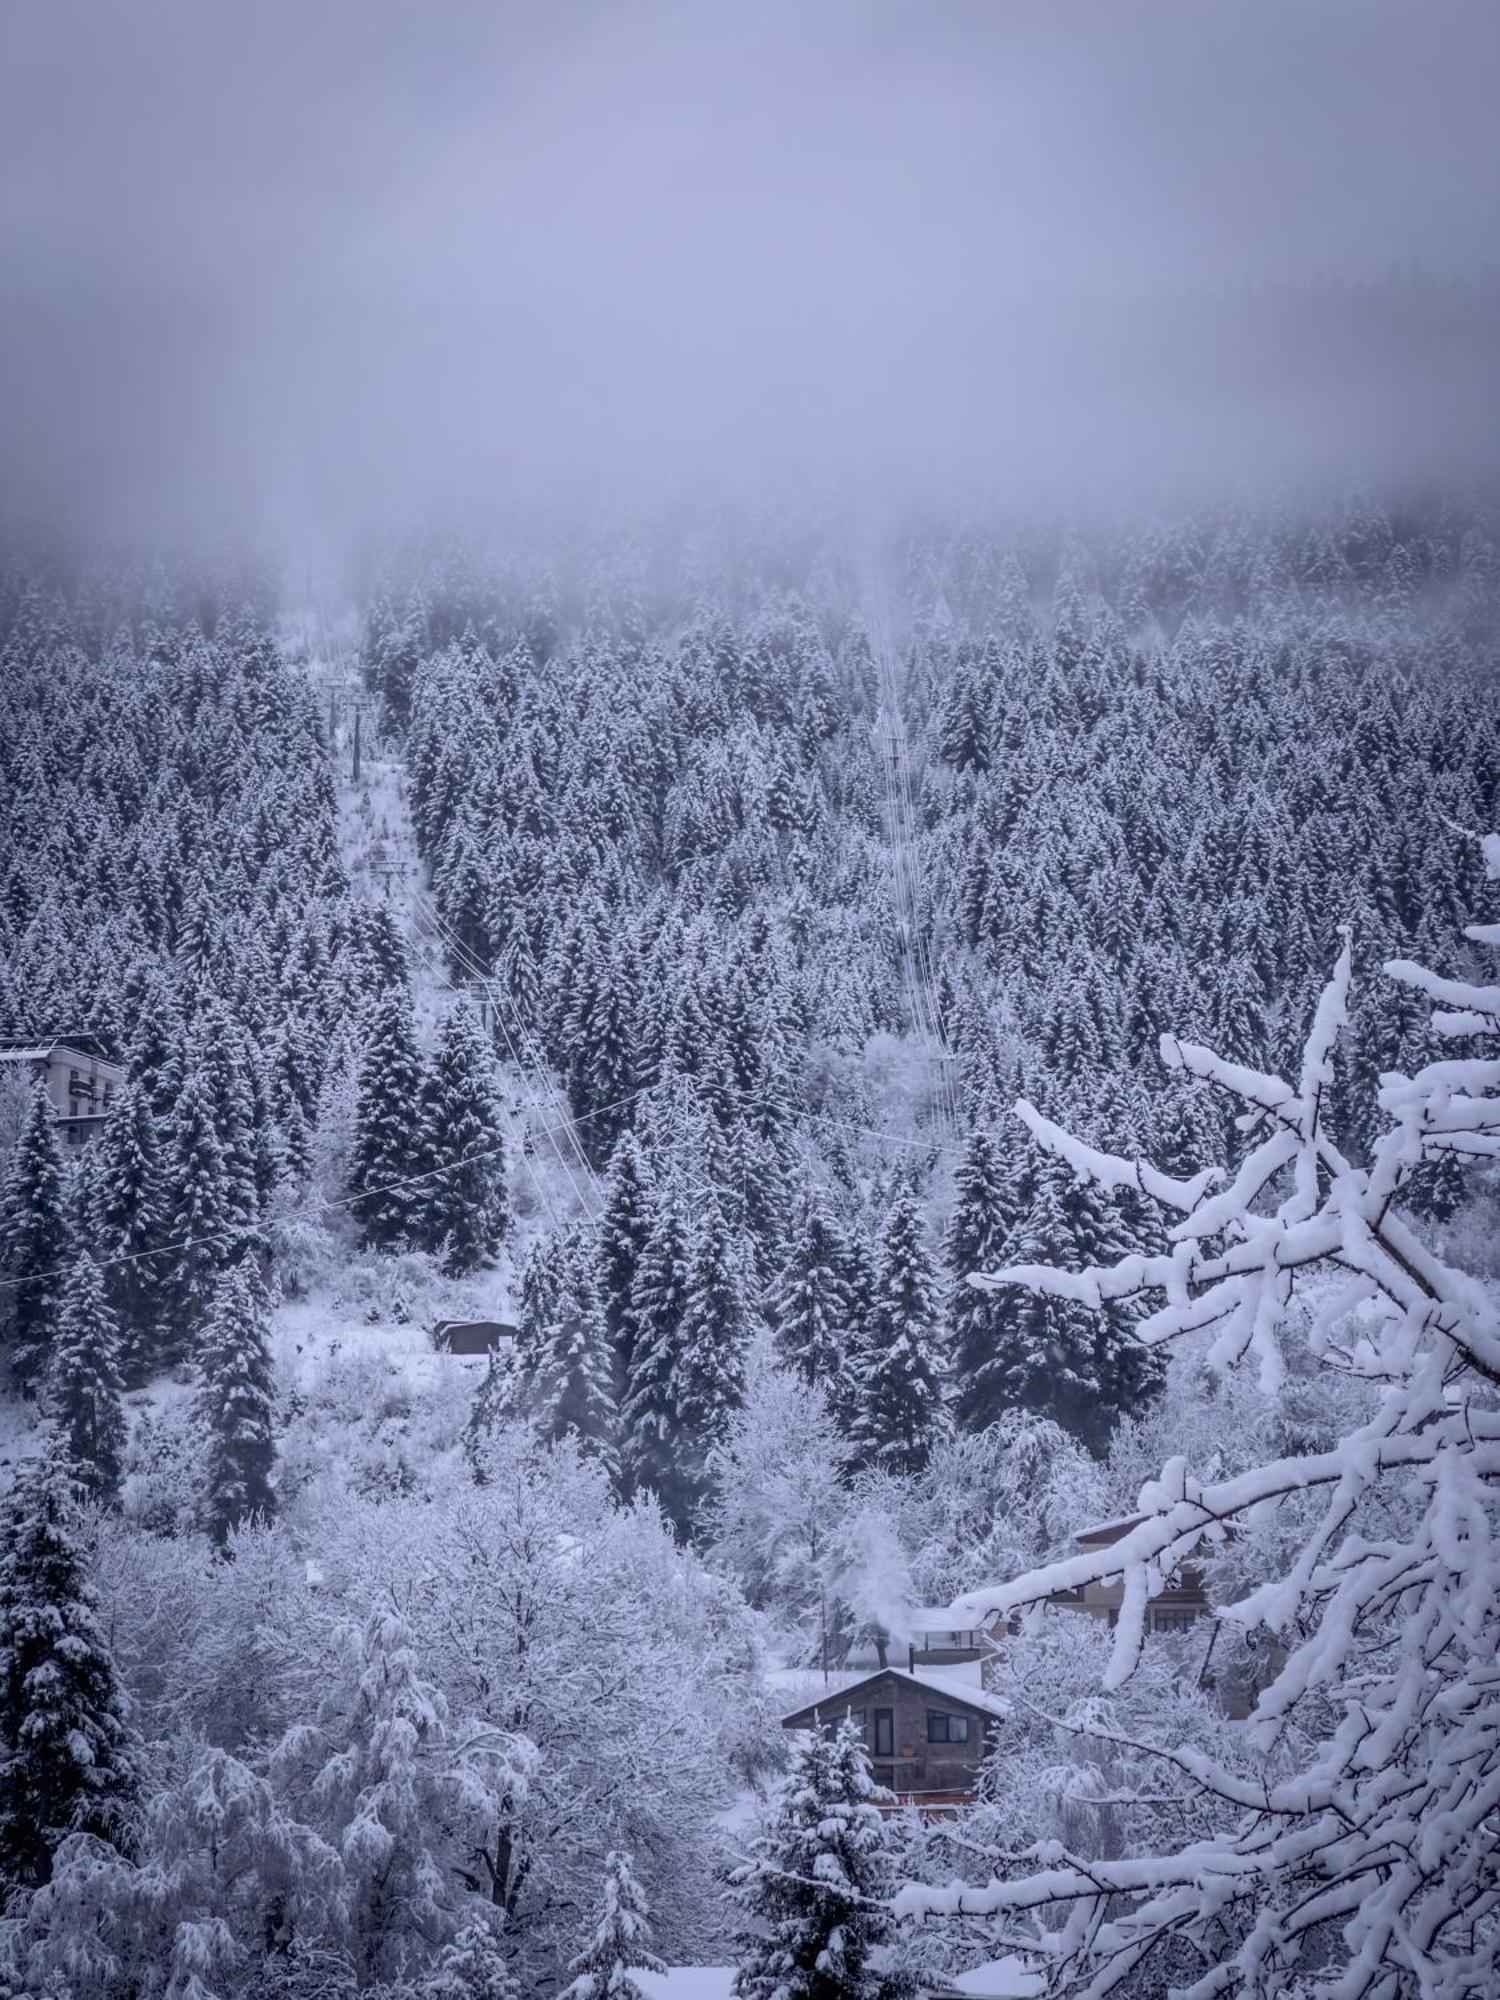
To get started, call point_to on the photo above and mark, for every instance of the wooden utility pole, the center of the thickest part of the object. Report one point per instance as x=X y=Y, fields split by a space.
x=358 y=713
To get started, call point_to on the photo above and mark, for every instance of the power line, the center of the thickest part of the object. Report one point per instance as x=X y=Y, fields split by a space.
x=501 y=1001
x=321 y=1207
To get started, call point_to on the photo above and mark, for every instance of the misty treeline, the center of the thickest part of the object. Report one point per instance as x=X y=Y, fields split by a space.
x=795 y=863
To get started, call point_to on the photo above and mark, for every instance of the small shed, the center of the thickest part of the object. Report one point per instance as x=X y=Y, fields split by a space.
x=472 y=1336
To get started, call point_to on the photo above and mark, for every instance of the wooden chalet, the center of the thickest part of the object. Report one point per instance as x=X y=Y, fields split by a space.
x=926 y=1730
x=1177 y=1608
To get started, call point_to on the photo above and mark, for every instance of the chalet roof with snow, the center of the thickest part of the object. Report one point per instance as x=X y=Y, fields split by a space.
x=949 y=1682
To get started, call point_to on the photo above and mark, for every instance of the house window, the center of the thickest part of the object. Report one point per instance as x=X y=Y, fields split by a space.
x=885 y=1732
x=75 y=1135
x=943 y=1728
x=1172 y=1618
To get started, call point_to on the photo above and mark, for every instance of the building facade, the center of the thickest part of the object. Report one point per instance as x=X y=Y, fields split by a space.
x=82 y=1075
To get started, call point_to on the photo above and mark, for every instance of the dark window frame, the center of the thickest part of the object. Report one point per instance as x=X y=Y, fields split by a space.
x=884 y=1732
x=944 y=1727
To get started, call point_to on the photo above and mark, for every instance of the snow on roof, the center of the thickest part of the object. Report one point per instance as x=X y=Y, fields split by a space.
x=1008 y=1978
x=1109 y=1531
x=80 y=1043
x=687 y=1982
x=962 y=1683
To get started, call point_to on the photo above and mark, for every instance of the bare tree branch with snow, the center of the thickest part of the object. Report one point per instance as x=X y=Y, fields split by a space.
x=1372 y=1872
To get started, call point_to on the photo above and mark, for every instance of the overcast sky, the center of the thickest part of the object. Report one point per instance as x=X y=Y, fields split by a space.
x=296 y=262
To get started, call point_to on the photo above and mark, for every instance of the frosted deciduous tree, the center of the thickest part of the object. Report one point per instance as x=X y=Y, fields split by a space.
x=394 y=1784
x=226 y=1893
x=1371 y=1869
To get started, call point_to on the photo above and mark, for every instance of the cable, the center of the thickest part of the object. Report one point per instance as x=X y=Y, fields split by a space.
x=501 y=1000
x=321 y=1207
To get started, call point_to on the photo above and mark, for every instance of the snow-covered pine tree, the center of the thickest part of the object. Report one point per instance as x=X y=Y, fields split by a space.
x=623 y=1231
x=493 y=1403
x=1366 y=1863
x=203 y=1226
x=84 y=1386
x=813 y=1895
x=709 y=1381
x=391 y=1144
x=67 y=1751
x=621 y=1943
x=901 y=1411
x=1054 y=1356
x=34 y=1239
x=130 y=1226
x=810 y=1308
x=236 y=1408
x=648 y=1418
x=982 y=1219
x=472 y=1967
x=569 y=1387
x=464 y=1208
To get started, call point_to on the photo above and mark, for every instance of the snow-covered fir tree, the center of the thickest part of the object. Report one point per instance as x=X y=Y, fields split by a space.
x=810 y=1305
x=130 y=1224
x=35 y=1239
x=621 y=1943
x=623 y=1231
x=206 y=1221
x=648 y=1418
x=708 y=1381
x=568 y=1365
x=464 y=1203
x=901 y=1411
x=235 y=1406
x=813 y=1895
x=391 y=1155
x=84 y=1386
x=472 y=1967
x=1054 y=1356
x=68 y=1755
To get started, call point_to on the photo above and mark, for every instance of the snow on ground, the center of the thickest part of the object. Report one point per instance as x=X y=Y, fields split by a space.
x=1006 y=1978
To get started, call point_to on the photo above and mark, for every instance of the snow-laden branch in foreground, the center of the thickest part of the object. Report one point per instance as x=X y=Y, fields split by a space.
x=1372 y=1872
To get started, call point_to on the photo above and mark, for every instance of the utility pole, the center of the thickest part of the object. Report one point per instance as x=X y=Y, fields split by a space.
x=358 y=712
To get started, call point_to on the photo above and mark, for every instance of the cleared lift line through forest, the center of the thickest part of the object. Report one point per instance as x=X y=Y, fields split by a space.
x=527 y=1059
x=921 y=988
